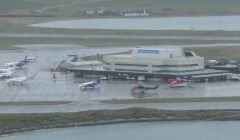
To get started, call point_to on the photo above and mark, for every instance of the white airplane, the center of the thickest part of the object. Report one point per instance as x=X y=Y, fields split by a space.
x=19 y=80
x=89 y=85
x=8 y=74
x=7 y=69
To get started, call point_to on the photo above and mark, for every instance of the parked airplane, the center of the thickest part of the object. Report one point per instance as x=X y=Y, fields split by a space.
x=19 y=80
x=6 y=74
x=18 y=64
x=143 y=88
x=7 y=70
x=91 y=85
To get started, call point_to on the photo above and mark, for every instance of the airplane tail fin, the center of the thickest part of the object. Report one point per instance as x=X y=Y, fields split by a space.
x=98 y=81
x=25 y=59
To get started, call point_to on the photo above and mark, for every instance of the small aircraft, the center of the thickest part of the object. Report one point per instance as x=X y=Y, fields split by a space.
x=7 y=69
x=143 y=88
x=8 y=74
x=89 y=85
x=18 y=64
x=19 y=80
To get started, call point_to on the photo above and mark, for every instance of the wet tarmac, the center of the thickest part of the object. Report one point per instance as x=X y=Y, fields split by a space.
x=43 y=87
x=65 y=87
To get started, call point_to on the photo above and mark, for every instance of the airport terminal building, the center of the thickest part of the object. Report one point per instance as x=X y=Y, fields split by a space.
x=154 y=60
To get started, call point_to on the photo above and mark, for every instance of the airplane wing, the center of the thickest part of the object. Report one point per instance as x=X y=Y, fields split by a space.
x=6 y=74
x=20 y=80
x=8 y=70
x=17 y=80
x=10 y=80
x=3 y=70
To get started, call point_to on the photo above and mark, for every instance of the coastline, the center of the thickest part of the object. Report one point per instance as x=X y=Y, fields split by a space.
x=131 y=115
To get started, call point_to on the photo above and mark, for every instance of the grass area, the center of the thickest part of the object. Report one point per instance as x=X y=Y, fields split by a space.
x=172 y=100
x=10 y=41
x=158 y=7
x=227 y=52
x=30 y=103
x=12 y=123
x=28 y=6
x=217 y=52
x=174 y=7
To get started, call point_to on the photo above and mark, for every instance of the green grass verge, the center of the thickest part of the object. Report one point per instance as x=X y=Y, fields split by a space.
x=158 y=7
x=217 y=52
x=9 y=41
x=30 y=103
x=227 y=52
x=172 y=100
x=12 y=123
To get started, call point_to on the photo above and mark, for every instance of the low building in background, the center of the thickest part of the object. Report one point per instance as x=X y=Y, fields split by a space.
x=136 y=13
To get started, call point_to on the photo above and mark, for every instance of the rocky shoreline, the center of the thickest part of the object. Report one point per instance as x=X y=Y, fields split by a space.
x=117 y=121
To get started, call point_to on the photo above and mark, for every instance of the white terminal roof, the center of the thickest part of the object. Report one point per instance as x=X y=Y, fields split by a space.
x=164 y=52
